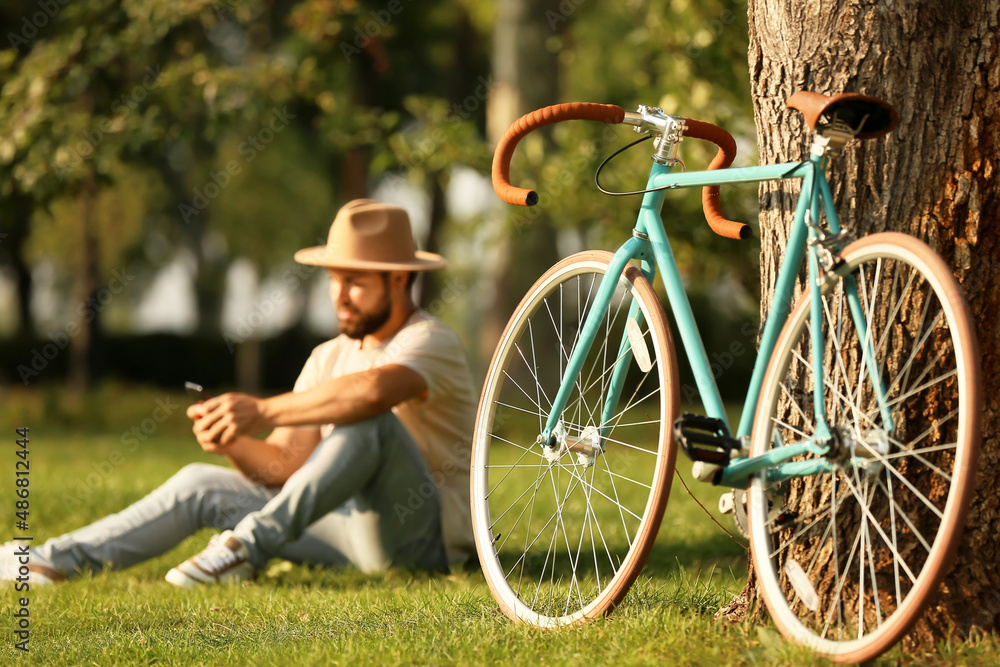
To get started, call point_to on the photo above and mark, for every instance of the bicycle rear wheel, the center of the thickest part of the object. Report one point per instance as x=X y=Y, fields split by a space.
x=561 y=537
x=847 y=559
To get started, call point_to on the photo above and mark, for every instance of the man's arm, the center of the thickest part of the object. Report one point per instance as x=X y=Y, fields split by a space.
x=273 y=460
x=342 y=400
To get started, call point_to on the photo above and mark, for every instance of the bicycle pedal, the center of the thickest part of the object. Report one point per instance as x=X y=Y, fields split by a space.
x=705 y=439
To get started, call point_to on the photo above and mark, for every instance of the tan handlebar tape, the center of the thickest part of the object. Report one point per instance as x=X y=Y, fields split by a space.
x=604 y=113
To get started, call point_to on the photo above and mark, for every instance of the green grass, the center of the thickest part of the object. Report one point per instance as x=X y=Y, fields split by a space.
x=294 y=615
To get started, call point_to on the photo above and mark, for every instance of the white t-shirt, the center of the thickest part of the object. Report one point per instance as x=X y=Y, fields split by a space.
x=440 y=422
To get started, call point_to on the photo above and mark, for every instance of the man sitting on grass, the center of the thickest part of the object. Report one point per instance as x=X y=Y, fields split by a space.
x=367 y=461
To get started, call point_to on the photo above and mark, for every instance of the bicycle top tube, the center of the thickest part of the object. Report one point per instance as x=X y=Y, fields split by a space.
x=731 y=175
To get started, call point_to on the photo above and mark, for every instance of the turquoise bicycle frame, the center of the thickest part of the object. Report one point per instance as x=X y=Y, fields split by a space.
x=650 y=246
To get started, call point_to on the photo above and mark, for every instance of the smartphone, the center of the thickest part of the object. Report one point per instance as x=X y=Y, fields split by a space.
x=196 y=392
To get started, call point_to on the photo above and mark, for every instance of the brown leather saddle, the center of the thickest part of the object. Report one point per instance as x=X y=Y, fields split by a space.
x=868 y=117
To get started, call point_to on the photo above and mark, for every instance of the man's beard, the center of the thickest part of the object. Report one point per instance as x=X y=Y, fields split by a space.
x=367 y=323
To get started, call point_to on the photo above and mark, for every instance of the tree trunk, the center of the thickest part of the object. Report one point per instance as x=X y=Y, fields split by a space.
x=15 y=235
x=212 y=263
x=933 y=178
x=86 y=294
x=461 y=79
x=430 y=288
x=527 y=78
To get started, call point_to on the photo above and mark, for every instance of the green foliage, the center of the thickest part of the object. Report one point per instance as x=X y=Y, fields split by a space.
x=169 y=84
x=685 y=57
x=434 y=136
x=277 y=202
x=118 y=211
x=130 y=117
x=133 y=110
x=105 y=108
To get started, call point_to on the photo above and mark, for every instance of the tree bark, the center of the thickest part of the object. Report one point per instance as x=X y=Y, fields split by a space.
x=933 y=178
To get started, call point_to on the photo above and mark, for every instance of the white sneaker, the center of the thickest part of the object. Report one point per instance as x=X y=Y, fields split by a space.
x=39 y=571
x=224 y=561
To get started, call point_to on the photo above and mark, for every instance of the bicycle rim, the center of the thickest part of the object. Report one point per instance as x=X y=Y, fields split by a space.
x=848 y=559
x=562 y=538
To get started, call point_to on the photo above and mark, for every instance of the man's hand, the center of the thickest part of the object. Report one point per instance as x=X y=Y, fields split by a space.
x=203 y=440
x=220 y=420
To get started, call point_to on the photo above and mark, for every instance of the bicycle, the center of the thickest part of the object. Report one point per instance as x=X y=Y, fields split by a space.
x=856 y=451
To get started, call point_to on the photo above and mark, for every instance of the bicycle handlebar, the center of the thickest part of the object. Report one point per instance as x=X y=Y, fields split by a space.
x=613 y=115
x=710 y=193
x=605 y=113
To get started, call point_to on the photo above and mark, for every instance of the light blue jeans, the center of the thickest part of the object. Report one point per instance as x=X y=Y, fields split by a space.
x=338 y=509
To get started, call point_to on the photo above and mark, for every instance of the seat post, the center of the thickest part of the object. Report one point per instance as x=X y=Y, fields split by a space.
x=831 y=138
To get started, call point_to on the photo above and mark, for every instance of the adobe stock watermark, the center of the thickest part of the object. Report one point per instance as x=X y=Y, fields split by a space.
x=292 y=279
x=461 y=450
x=217 y=181
x=236 y=506
x=567 y=177
x=120 y=110
x=565 y=10
x=130 y=441
x=982 y=619
x=48 y=9
x=715 y=27
x=437 y=137
x=363 y=36
x=459 y=111
x=59 y=340
x=720 y=362
x=451 y=292
x=419 y=495
x=223 y=7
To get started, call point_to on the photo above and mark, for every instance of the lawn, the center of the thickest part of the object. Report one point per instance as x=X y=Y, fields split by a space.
x=293 y=615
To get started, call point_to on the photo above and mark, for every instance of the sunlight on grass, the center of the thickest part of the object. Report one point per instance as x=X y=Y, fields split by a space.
x=296 y=615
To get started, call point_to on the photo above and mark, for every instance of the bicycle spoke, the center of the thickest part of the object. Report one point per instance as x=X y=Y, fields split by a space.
x=861 y=543
x=868 y=515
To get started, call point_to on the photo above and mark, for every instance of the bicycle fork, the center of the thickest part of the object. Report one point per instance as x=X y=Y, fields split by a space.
x=635 y=247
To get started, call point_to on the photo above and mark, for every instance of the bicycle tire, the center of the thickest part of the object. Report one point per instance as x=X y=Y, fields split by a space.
x=605 y=516
x=847 y=560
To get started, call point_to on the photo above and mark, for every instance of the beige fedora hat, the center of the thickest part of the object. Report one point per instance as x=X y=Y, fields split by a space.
x=369 y=236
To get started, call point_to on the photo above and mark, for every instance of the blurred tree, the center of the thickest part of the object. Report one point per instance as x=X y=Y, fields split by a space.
x=99 y=83
x=198 y=92
x=432 y=99
x=526 y=68
x=368 y=90
x=684 y=57
x=15 y=227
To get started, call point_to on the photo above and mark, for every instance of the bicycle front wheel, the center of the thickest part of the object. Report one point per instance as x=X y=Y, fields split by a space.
x=563 y=532
x=848 y=557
